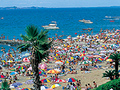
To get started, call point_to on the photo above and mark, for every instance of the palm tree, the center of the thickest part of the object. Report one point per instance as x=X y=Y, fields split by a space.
x=115 y=57
x=109 y=73
x=38 y=44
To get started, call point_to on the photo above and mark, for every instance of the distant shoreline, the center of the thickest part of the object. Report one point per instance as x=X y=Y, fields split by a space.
x=14 y=7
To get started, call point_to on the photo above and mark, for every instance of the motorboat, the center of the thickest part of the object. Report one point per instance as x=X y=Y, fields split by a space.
x=85 y=21
x=82 y=20
x=52 y=25
x=88 y=21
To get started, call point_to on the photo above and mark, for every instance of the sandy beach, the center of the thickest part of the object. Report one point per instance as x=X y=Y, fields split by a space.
x=85 y=54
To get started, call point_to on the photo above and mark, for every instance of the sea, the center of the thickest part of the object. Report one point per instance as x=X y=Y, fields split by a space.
x=15 y=21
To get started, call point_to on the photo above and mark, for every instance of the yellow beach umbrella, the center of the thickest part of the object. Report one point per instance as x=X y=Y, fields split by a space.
x=118 y=50
x=55 y=85
x=10 y=61
x=52 y=72
x=109 y=60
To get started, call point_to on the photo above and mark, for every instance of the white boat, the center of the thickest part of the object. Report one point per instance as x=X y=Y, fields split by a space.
x=85 y=21
x=88 y=21
x=51 y=26
x=82 y=20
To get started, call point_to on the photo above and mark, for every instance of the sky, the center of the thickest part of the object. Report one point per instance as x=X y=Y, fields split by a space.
x=59 y=3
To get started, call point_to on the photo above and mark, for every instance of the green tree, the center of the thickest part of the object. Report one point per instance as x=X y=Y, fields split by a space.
x=4 y=85
x=115 y=57
x=109 y=73
x=38 y=44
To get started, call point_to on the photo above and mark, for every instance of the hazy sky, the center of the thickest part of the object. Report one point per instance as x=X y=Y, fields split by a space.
x=59 y=3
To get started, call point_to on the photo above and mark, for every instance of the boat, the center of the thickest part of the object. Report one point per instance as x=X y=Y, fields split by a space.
x=88 y=21
x=52 y=25
x=82 y=20
x=87 y=28
x=2 y=17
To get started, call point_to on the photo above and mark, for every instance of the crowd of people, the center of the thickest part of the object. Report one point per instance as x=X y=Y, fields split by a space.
x=73 y=55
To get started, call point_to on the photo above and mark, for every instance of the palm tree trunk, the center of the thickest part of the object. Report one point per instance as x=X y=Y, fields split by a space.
x=111 y=78
x=116 y=68
x=36 y=78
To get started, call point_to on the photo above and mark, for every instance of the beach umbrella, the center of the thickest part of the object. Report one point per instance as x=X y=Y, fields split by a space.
x=55 y=85
x=52 y=72
x=58 y=70
x=60 y=80
x=29 y=82
x=82 y=54
x=16 y=84
x=100 y=59
x=84 y=58
x=45 y=80
x=96 y=56
x=42 y=66
x=71 y=80
x=30 y=68
x=91 y=49
x=21 y=67
x=109 y=60
x=17 y=60
x=86 y=62
x=58 y=62
x=43 y=87
x=103 y=51
x=27 y=54
x=41 y=73
x=10 y=61
x=89 y=56
x=13 y=73
x=2 y=76
x=26 y=89
x=102 y=54
x=48 y=89
x=118 y=50
x=12 y=69
x=12 y=87
x=110 y=51
x=26 y=59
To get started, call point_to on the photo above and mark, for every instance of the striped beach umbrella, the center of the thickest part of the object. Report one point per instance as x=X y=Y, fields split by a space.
x=45 y=80
x=71 y=80
x=58 y=62
x=60 y=80
x=41 y=73
x=52 y=72
x=86 y=62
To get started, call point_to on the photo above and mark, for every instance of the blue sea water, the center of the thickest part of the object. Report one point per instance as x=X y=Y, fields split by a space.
x=15 y=21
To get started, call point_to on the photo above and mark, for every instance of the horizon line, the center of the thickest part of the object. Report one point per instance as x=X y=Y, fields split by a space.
x=57 y=7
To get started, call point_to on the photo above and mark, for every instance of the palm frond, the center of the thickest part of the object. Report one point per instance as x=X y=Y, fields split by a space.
x=32 y=31
x=25 y=38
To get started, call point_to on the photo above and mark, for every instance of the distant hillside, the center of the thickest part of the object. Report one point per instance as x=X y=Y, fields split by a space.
x=14 y=7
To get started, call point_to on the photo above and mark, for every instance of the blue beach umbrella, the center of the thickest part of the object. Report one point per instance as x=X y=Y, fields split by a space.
x=16 y=84
x=13 y=73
